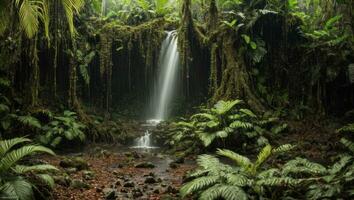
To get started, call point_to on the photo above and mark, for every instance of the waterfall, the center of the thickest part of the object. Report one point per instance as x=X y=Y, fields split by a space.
x=168 y=68
x=144 y=141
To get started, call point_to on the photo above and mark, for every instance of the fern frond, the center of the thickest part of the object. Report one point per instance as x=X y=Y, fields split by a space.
x=17 y=188
x=339 y=165
x=301 y=165
x=237 y=180
x=206 y=138
x=47 y=179
x=240 y=124
x=204 y=116
x=283 y=148
x=263 y=155
x=248 y=112
x=278 y=181
x=226 y=192
x=14 y=156
x=222 y=107
x=6 y=145
x=29 y=121
x=198 y=184
x=347 y=128
x=269 y=173
x=347 y=143
x=21 y=169
x=240 y=160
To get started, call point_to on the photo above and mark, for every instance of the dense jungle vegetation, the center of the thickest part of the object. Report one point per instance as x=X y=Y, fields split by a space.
x=262 y=103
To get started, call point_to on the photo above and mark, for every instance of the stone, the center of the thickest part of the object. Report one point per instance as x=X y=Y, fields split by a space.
x=179 y=160
x=145 y=165
x=171 y=189
x=62 y=180
x=173 y=165
x=70 y=170
x=109 y=193
x=88 y=175
x=78 y=184
x=137 y=193
x=150 y=179
x=129 y=184
x=75 y=162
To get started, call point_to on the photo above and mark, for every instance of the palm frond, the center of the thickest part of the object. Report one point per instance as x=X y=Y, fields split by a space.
x=72 y=7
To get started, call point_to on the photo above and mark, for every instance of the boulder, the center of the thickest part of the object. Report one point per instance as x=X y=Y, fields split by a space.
x=150 y=179
x=75 y=162
x=109 y=193
x=88 y=175
x=79 y=184
x=129 y=184
x=145 y=165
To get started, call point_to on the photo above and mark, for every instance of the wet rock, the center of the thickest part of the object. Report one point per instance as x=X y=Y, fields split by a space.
x=88 y=175
x=171 y=189
x=62 y=180
x=157 y=191
x=179 y=160
x=145 y=165
x=98 y=190
x=70 y=170
x=137 y=193
x=109 y=193
x=133 y=154
x=129 y=184
x=78 y=184
x=173 y=165
x=75 y=162
x=150 y=179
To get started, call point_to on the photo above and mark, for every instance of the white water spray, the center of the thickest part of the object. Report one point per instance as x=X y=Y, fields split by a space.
x=144 y=141
x=168 y=65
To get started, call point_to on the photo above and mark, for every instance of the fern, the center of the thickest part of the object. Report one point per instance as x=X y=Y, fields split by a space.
x=215 y=180
x=65 y=127
x=224 y=119
x=12 y=184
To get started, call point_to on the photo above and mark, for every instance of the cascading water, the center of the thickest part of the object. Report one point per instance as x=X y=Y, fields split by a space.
x=168 y=66
x=168 y=71
x=144 y=141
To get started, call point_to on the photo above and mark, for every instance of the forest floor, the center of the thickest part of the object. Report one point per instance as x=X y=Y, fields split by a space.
x=120 y=172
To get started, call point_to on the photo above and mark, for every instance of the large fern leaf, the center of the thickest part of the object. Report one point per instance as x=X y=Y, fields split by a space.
x=226 y=192
x=198 y=184
x=11 y=158
x=17 y=188
x=240 y=160
x=6 y=145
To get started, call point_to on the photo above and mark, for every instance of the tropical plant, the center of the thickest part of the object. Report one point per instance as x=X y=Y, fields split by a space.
x=13 y=181
x=225 y=119
x=338 y=180
x=34 y=12
x=65 y=127
x=244 y=180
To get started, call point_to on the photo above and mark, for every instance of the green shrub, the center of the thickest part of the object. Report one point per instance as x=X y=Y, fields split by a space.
x=13 y=181
x=244 y=180
x=225 y=119
x=65 y=127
